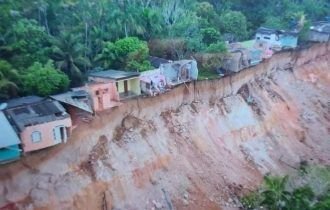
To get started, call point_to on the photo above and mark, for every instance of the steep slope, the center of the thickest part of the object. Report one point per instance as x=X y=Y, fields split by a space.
x=199 y=146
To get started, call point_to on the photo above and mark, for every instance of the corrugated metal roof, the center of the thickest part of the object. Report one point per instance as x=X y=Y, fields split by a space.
x=269 y=31
x=8 y=137
x=115 y=74
x=23 y=101
x=76 y=99
x=322 y=27
x=36 y=113
x=156 y=61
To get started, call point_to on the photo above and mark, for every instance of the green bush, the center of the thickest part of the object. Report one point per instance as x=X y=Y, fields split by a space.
x=219 y=47
x=129 y=53
x=44 y=80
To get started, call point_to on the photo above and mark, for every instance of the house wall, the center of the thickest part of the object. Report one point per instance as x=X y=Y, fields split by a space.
x=121 y=87
x=273 y=39
x=256 y=56
x=194 y=70
x=172 y=76
x=47 y=134
x=318 y=37
x=132 y=85
x=9 y=154
x=289 y=41
x=135 y=86
x=104 y=95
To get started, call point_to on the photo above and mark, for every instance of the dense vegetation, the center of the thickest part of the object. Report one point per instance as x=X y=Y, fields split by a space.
x=73 y=36
x=307 y=190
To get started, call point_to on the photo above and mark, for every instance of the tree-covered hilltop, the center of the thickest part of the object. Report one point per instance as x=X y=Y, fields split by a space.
x=73 y=36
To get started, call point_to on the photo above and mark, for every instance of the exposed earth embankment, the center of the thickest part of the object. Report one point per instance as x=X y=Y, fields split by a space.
x=199 y=146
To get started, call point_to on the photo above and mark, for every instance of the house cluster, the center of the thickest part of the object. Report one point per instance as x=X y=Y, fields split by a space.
x=33 y=123
x=267 y=42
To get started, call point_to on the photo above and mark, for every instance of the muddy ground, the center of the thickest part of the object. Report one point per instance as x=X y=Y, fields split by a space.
x=200 y=146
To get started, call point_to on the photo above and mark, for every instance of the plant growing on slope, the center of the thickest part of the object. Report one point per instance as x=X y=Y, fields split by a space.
x=275 y=196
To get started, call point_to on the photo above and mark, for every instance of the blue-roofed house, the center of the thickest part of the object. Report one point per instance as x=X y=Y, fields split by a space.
x=9 y=141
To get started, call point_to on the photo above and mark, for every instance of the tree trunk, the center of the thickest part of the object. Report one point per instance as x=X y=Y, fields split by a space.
x=46 y=21
x=125 y=28
x=86 y=43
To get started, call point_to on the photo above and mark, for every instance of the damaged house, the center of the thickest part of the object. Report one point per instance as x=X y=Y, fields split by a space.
x=240 y=58
x=319 y=32
x=40 y=123
x=179 y=72
x=276 y=39
x=153 y=82
x=77 y=102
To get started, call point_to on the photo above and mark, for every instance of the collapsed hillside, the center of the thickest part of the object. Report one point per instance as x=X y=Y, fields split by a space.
x=199 y=146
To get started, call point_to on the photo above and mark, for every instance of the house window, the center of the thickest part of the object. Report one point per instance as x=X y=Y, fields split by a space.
x=267 y=37
x=36 y=137
x=59 y=134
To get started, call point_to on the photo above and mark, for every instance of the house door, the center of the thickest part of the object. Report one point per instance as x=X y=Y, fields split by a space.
x=125 y=86
x=60 y=134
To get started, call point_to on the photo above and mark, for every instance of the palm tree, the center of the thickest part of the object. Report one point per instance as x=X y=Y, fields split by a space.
x=68 y=54
x=301 y=199
x=275 y=197
x=126 y=16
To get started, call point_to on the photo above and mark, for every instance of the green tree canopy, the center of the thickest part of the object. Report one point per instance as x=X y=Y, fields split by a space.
x=129 y=53
x=234 y=24
x=9 y=80
x=44 y=80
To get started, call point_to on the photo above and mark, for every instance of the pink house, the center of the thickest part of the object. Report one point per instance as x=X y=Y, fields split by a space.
x=40 y=123
x=104 y=94
x=110 y=87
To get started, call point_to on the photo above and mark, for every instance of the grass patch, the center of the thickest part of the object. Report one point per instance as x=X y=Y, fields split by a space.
x=208 y=74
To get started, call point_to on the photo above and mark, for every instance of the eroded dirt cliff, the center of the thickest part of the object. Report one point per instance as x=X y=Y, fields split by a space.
x=199 y=146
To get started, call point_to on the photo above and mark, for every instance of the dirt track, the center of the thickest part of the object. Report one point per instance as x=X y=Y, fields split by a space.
x=196 y=147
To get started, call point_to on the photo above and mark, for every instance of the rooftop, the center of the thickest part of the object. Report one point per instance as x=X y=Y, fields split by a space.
x=78 y=98
x=156 y=61
x=114 y=74
x=269 y=31
x=23 y=101
x=8 y=137
x=179 y=63
x=248 y=44
x=322 y=26
x=35 y=113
